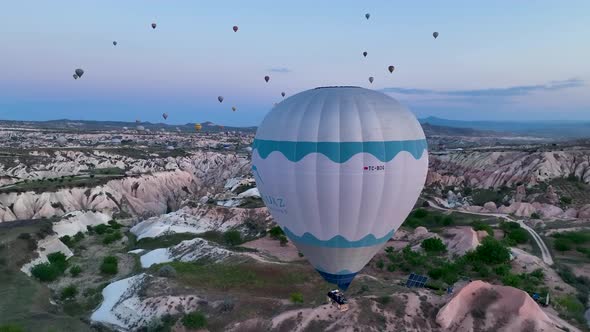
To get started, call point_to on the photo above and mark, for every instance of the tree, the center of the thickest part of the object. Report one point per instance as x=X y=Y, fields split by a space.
x=492 y=251
x=283 y=239
x=519 y=236
x=194 y=320
x=433 y=245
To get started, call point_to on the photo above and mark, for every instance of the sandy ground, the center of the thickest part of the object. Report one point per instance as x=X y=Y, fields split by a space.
x=271 y=247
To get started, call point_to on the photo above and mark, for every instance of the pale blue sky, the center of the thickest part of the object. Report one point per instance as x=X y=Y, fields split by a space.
x=507 y=60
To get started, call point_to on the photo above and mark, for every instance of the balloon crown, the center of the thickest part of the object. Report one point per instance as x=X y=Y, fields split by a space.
x=336 y=86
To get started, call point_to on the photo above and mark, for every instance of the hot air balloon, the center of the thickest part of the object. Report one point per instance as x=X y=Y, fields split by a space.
x=235 y=28
x=365 y=54
x=153 y=25
x=75 y=76
x=115 y=43
x=198 y=127
x=371 y=79
x=220 y=98
x=267 y=78
x=339 y=180
x=367 y=15
x=233 y=108
x=391 y=69
x=140 y=128
x=79 y=72
x=435 y=34
x=283 y=94
x=165 y=116
x=137 y=121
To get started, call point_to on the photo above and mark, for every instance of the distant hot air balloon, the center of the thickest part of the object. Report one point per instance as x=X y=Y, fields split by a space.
x=367 y=15
x=140 y=128
x=79 y=72
x=153 y=25
x=365 y=54
x=391 y=69
x=198 y=127
x=233 y=108
x=435 y=34
x=302 y=173
x=165 y=116
x=371 y=79
x=137 y=121
x=75 y=76
x=235 y=28
x=220 y=98
x=266 y=78
x=115 y=43
x=283 y=94
x=125 y=128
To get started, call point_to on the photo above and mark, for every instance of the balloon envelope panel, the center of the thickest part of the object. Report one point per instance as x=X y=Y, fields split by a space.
x=340 y=169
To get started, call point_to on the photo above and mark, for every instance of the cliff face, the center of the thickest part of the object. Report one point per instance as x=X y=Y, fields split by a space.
x=496 y=169
x=150 y=187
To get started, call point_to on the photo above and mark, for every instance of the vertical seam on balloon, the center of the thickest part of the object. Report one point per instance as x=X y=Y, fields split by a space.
x=322 y=103
x=306 y=109
x=360 y=124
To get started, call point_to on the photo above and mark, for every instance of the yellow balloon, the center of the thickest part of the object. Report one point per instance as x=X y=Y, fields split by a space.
x=198 y=127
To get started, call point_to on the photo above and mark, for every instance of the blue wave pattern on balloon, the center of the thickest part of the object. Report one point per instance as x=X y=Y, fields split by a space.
x=340 y=152
x=338 y=241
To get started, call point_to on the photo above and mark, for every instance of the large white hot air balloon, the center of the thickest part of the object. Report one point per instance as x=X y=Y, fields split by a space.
x=340 y=169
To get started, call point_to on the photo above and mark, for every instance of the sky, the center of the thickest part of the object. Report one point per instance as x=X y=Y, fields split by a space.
x=493 y=60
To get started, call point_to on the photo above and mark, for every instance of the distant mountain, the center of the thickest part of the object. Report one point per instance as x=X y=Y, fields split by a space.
x=435 y=130
x=554 y=129
x=83 y=125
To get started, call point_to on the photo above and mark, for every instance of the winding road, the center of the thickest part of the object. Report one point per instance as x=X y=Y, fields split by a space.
x=545 y=253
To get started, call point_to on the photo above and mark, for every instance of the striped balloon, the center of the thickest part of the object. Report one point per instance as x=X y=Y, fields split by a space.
x=340 y=169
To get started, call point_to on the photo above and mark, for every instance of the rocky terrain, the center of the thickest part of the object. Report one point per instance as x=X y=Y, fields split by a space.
x=182 y=219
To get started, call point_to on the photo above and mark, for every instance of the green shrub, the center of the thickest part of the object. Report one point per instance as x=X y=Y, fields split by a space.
x=109 y=265
x=391 y=267
x=420 y=214
x=58 y=259
x=296 y=297
x=194 y=320
x=45 y=272
x=101 y=229
x=112 y=237
x=380 y=264
x=535 y=215
x=565 y=200
x=448 y=221
x=478 y=225
x=114 y=224
x=433 y=245
x=11 y=328
x=519 y=236
x=75 y=270
x=69 y=292
x=276 y=232
x=67 y=240
x=79 y=237
x=232 y=238
x=283 y=239
x=511 y=280
x=562 y=244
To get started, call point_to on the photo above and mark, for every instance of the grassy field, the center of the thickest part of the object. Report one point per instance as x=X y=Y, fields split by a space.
x=23 y=300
